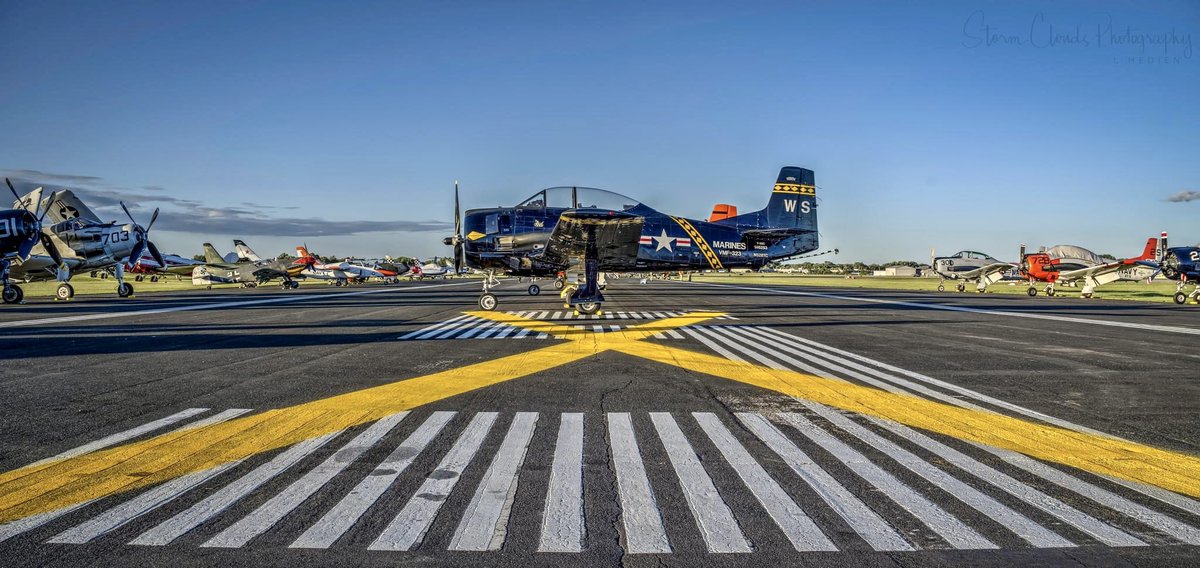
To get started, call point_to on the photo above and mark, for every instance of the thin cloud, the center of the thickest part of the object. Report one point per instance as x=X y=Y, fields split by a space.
x=1184 y=196
x=192 y=216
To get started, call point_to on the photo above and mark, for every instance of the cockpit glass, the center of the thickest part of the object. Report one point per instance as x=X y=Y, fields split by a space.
x=577 y=197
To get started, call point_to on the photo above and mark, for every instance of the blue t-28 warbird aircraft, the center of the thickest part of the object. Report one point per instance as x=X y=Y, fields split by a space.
x=1181 y=264
x=604 y=231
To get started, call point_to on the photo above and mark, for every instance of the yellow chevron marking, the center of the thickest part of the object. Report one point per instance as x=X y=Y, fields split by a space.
x=795 y=188
x=52 y=486
x=475 y=235
x=711 y=256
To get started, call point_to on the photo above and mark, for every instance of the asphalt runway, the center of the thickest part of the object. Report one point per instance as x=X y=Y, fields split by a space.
x=690 y=424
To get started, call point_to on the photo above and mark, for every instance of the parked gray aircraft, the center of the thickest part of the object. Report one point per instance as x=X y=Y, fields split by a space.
x=248 y=273
x=967 y=267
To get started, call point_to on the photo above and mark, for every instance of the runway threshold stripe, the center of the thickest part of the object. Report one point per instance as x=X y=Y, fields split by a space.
x=430 y=329
x=1183 y=532
x=335 y=522
x=275 y=509
x=799 y=529
x=640 y=517
x=1169 y=497
x=485 y=523
x=1103 y=532
x=197 y=514
x=410 y=525
x=1019 y=524
x=19 y=526
x=868 y=524
x=119 y=437
x=955 y=532
x=715 y=521
x=122 y=514
x=562 y=519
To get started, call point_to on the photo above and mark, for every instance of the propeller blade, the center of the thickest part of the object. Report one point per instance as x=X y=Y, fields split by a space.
x=459 y=251
x=49 y=203
x=158 y=257
x=457 y=216
x=26 y=248
x=12 y=189
x=153 y=218
x=127 y=214
x=48 y=244
x=136 y=256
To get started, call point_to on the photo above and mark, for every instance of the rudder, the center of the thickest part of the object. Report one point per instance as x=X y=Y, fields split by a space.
x=793 y=200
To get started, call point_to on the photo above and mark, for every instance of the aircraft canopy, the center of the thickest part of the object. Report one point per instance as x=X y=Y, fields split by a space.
x=580 y=197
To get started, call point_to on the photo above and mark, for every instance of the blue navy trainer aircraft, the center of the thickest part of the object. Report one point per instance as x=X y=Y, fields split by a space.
x=20 y=231
x=1181 y=264
x=560 y=227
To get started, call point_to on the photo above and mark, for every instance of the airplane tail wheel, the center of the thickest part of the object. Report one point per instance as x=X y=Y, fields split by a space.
x=125 y=289
x=487 y=302
x=1180 y=297
x=941 y=288
x=558 y=284
x=14 y=294
x=1032 y=291
x=65 y=292
x=534 y=289
x=588 y=308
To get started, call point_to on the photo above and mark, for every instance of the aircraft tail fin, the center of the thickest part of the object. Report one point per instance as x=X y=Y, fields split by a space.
x=244 y=251
x=301 y=252
x=211 y=255
x=793 y=201
x=1151 y=248
x=67 y=206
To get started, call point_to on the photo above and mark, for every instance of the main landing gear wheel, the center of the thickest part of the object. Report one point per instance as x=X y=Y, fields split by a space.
x=1049 y=291
x=558 y=284
x=941 y=288
x=487 y=302
x=588 y=308
x=65 y=292
x=534 y=289
x=154 y=279
x=1086 y=294
x=962 y=287
x=14 y=295
x=1031 y=291
x=138 y=278
x=124 y=289
x=1180 y=297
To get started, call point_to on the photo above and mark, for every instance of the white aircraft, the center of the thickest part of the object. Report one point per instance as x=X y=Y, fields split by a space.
x=968 y=266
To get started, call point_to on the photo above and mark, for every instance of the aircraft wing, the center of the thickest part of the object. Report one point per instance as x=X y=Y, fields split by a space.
x=609 y=236
x=40 y=267
x=1102 y=269
x=984 y=271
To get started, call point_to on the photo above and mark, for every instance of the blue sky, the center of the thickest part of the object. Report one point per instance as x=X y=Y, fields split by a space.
x=956 y=125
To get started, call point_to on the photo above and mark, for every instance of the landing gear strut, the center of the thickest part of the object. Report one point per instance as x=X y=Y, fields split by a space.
x=124 y=289
x=1182 y=295
x=12 y=293
x=587 y=297
x=487 y=301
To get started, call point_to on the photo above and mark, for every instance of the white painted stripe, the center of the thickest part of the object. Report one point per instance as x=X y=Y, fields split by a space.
x=658 y=335
x=342 y=516
x=869 y=525
x=562 y=518
x=614 y=328
x=945 y=307
x=122 y=514
x=939 y=383
x=644 y=532
x=1169 y=497
x=217 y=305
x=673 y=333
x=660 y=315
x=788 y=516
x=1102 y=531
x=495 y=328
x=647 y=315
x=505 y=332
x=409 y=527
x=597 y=329
x=522 y=333
x=542 y=335
x=180 y=524
x=444 y=327
x=122 y=436
x=717 y=526
x=485 y=523
x=557 y=315
x=635 y=315
x=608 y=315
x=433 y=327
x=694 y=333
x=19 y=526
x=475 y=330
x=1019 y=524
x=955 y=532
x=1184 y=532
x=458 y=328
x=542 y=315
x=271 y=512
x=622 y=315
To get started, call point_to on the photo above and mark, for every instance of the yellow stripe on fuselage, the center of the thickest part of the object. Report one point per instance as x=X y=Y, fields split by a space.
x=797 y=189
x=709 y=254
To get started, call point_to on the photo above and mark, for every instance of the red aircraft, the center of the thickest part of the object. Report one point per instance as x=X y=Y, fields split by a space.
x=1040 y=267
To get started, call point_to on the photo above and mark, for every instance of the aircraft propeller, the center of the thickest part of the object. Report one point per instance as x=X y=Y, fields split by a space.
x=457 y=240
x=143 y=239
x=43 y=238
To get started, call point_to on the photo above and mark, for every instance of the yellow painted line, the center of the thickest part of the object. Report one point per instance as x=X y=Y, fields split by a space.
x=1097 y=454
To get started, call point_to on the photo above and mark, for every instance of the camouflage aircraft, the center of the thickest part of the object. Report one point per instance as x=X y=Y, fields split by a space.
x=249 y=270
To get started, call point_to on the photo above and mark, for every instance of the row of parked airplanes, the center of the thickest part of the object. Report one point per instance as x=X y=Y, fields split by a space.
x=1066 y=265
x=556 y=229
x=76 y=241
